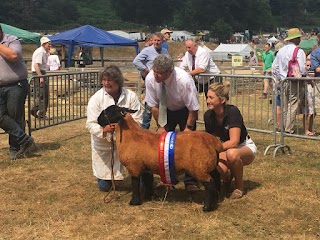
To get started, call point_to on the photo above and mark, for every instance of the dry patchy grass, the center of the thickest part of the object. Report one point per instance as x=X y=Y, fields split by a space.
x=53 y=195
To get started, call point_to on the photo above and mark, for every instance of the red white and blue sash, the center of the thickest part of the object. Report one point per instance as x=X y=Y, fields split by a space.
x=166 y=158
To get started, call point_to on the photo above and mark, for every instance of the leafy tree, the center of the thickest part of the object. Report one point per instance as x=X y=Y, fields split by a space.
x=221 y=31
x=256 y=15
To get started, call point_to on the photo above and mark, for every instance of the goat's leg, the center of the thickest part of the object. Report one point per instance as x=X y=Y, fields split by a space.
x=211 y=196
x=217 y=179
x=147 y=184
x=135 y=183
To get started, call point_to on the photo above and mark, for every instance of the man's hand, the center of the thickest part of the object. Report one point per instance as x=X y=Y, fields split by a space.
x=109 y=128
x=187 y=130
x=161 y=130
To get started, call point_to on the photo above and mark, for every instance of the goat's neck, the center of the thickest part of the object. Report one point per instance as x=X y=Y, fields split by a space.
x=128 y=128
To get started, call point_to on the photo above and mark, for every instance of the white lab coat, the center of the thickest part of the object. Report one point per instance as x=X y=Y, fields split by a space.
x=100 y=144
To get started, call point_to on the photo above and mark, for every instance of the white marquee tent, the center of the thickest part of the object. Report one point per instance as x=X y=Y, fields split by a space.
x=120 y=33
x=181 y=35
x=225 y=51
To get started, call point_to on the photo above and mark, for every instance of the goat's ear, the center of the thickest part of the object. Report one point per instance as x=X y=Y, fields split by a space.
x=127 y=110
x=131 y=111
x=102 y=119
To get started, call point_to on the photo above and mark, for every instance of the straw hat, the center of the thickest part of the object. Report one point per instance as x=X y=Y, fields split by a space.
x=165 y=30
x=293 y=33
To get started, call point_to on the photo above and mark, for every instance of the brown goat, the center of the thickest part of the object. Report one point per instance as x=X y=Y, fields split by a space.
x=195 y=153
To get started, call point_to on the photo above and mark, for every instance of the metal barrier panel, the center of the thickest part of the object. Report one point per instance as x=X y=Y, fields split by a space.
x=300 y=99
x=69 y=94
x=246 y=93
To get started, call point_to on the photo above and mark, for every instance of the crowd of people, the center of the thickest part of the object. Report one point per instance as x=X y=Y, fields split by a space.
x=298 y=96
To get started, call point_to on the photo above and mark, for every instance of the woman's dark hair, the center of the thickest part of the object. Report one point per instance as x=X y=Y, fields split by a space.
x=112 y=72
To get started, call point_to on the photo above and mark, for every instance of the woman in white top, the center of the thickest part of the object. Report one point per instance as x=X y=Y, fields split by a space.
x=53 y=60
x=111 y=93
x=253 y=60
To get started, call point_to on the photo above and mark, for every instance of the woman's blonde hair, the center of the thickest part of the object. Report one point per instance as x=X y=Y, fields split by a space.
x=221 y=89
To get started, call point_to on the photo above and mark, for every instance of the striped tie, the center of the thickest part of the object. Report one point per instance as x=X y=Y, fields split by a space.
x=162 y=117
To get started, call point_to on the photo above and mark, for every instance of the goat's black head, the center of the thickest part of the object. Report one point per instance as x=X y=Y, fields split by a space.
x=113 y=114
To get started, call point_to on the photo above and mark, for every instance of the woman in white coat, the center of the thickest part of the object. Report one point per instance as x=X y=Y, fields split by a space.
x=111 y=93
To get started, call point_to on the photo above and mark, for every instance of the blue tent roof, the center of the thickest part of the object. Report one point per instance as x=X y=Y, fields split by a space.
x=91 y=37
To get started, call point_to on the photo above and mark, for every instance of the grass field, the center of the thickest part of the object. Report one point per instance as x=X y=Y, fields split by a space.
x=53 y=195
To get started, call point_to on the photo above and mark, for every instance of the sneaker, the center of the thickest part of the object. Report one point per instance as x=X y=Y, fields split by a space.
x=290 y=131
x=26 y=147
x=13 y=154
x=104 y=185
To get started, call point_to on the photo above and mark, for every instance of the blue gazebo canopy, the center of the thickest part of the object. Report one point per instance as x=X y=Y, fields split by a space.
x=89 y=36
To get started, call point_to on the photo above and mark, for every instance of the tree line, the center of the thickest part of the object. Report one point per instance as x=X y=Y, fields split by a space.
x=219 y=17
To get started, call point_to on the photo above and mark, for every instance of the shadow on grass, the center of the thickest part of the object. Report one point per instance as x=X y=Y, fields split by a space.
x=176 y=194
x=48 y=146
x=250 y=185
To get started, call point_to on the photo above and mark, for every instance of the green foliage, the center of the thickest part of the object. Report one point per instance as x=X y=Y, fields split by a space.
x=134 y=15
x=221 y=31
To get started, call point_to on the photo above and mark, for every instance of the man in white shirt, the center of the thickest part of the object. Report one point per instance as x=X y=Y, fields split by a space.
x=197 y=60
x=181 y=99
x=41 y=84
x=294 y=92
x=143 y=62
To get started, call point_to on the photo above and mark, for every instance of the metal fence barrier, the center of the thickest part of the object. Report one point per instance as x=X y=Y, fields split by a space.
x=70 y=92
x=259 y=114
x=299 y=96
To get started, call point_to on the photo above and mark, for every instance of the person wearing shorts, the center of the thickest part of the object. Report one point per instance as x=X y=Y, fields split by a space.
x=226 y=122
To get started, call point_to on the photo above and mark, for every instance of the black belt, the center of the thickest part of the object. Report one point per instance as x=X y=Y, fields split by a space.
x=13 y=84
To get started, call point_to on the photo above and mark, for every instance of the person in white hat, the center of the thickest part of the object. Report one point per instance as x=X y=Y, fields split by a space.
x=294 y=91
x=166 y=33
x=41 y=84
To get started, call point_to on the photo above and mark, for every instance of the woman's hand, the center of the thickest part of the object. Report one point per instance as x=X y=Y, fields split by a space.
x=109 y=128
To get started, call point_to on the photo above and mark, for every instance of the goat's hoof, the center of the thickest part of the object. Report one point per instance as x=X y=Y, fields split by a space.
x=148 y=197
x=135 y=201
x=209 y=207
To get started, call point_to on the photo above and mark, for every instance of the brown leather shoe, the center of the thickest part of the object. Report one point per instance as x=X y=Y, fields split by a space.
x=33 y=113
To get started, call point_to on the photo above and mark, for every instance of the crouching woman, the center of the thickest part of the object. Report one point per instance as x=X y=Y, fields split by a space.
x=226 y=122
x=111 y=93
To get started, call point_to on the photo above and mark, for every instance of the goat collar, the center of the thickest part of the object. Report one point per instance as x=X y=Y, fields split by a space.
x=166 y=158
